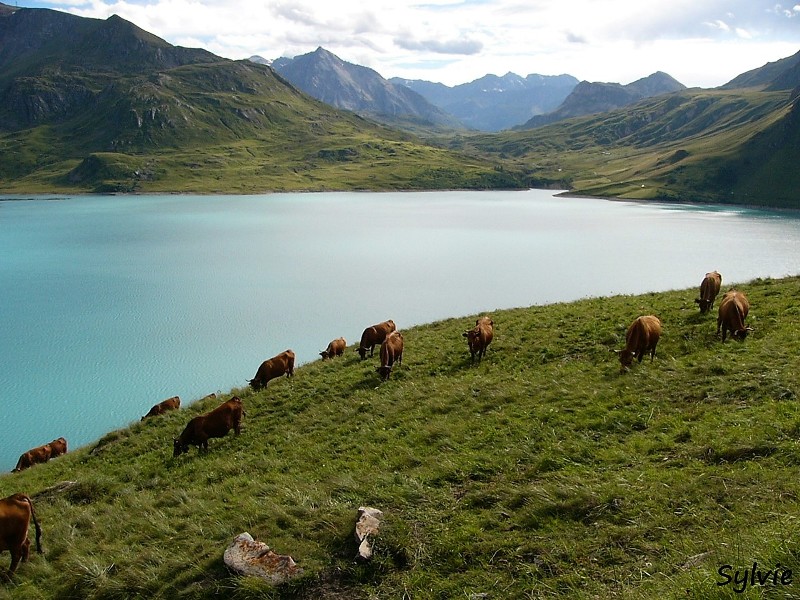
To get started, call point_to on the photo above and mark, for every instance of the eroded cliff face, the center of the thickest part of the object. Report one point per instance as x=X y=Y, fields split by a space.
x=29 y=101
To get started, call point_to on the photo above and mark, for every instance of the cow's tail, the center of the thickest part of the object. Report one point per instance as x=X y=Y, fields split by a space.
x=36 y=526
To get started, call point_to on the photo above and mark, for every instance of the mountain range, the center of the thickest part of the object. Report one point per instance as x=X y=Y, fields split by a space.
x=328 y=78
x=589 y=98
x=490 y=103
x=102 y=105
x=494 y=103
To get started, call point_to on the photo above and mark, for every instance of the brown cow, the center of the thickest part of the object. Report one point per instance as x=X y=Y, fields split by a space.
x=16 y=513
x=272 y=368
x=709 y=288
x=214 y=424
x=374 y=336
x=733 y=310
x=391 y=353
x=34 y=456
x=479 y=337
x=640 y=339
x=173 y=403
x=335 y=348
x=58 y=447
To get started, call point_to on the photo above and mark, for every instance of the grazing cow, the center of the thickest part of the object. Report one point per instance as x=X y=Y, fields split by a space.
x=335 y=348
x=733 y=310
x=709 y=288
x=479 y=337
x=16 y=513
x=34 y=456
x=58 y=447
x=173 y=403
x=391 y=353
x=272 y=368
x=374 y=336
x=640 y=339
x=214 y=424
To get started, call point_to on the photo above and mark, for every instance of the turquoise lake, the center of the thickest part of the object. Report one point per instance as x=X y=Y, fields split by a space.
x=113 y=303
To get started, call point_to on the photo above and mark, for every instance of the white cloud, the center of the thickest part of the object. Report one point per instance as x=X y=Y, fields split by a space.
x=720 y=25
x=453 y=41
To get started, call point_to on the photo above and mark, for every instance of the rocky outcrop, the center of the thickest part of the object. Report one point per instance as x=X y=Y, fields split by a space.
x=367 y=526
x=251 y=558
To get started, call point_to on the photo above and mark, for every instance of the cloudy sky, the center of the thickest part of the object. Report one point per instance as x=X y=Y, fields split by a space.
x=701 y=43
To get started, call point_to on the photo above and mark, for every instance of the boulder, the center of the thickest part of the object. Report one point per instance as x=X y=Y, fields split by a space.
x=367 y=525
x=246 y=556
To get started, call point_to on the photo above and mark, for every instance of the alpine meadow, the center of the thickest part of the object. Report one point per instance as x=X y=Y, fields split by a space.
x=540 y=471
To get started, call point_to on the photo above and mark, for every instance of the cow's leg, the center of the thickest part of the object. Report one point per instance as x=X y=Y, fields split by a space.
x=16 y=555
x=26 y=549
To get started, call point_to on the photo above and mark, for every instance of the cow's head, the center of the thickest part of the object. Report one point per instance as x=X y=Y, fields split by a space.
x=256 y=384
x=178 y=447
x=362 y=352
x=385 y=372
x=625 y=358
x=325 y=354
x=741 y=333
x=473 y=336
x=704 y=304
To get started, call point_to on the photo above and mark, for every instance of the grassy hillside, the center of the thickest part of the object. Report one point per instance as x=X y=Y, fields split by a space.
x=223 y=127
x=541 y=472
x=733 y=147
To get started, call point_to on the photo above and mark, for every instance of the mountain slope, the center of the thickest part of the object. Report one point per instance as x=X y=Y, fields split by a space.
x=39 y=41
x=696 y=145
x=344 y=85
x=783 y=74
x=89 y=105
x=494 y=103
x=590 y=98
